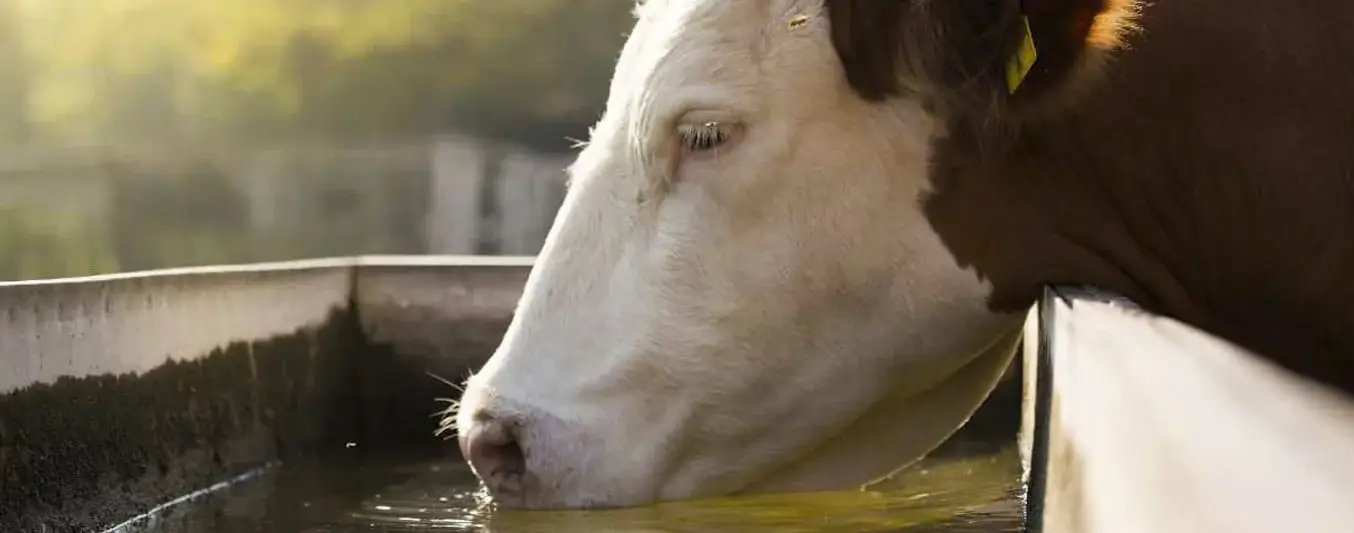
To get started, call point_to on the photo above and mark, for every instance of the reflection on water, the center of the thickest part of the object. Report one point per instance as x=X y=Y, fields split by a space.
x=952 y=495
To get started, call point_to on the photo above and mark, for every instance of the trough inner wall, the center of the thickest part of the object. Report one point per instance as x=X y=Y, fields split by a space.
x=118 y=391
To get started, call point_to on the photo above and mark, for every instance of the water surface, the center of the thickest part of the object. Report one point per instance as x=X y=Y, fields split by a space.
x=968 y=494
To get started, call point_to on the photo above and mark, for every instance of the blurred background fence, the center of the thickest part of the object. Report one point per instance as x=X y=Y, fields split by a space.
x=139 y=134
x=96 y=209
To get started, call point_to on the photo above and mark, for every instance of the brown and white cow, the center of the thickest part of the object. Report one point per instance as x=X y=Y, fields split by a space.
x=796 y=252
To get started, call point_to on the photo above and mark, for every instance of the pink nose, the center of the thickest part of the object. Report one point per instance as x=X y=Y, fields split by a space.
x=492 y=448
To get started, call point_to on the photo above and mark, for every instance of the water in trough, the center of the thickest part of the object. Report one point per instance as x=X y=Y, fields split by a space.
x=968 y=493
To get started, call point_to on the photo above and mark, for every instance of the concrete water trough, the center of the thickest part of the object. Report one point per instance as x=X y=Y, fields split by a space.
x=122 y=394
x=118 y=393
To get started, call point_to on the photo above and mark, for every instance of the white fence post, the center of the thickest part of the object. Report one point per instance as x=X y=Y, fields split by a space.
x=530 y=190
x=456 y=175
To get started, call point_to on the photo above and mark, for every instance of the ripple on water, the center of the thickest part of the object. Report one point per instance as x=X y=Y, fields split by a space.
x=964 y=495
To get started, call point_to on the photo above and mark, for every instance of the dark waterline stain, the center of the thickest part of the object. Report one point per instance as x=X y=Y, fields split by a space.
x=82 y=453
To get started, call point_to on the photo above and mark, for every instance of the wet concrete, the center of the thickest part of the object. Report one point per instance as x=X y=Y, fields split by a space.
x=124 y=391
x=425 y=324
x=400 y=387
x=85 y=452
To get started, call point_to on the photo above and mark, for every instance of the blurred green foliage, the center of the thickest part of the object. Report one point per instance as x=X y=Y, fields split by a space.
x=211 y=73
x=529 y=71
x=14 y=78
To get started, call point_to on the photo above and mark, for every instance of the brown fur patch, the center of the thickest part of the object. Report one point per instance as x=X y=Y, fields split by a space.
x=1208 y=174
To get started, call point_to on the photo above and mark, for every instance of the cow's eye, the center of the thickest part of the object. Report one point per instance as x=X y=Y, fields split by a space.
x=703 y=137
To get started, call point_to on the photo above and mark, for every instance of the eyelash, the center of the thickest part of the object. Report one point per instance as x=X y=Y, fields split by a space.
x=703 y=137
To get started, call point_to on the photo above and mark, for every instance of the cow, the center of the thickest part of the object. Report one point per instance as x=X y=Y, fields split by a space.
x=797 y=250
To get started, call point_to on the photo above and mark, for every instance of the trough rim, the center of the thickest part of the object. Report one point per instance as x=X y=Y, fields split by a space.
x=299 y=265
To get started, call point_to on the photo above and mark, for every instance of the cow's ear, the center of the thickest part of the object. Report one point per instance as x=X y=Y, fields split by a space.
x=950 y=50
x=974 y=57
x=868 y=38
x=1057 y=40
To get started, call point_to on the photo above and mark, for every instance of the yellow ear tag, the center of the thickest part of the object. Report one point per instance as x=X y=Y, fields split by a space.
x=798 y=21
x=1019 y=65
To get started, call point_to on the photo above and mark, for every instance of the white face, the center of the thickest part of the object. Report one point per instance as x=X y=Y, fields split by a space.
x=740 y=292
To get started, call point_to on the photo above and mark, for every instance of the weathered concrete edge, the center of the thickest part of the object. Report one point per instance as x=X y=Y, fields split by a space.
x=1134 y=423
x=77 y=327
x=324 y=263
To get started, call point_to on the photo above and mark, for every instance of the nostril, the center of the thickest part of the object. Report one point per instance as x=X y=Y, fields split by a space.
x=495 y=453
